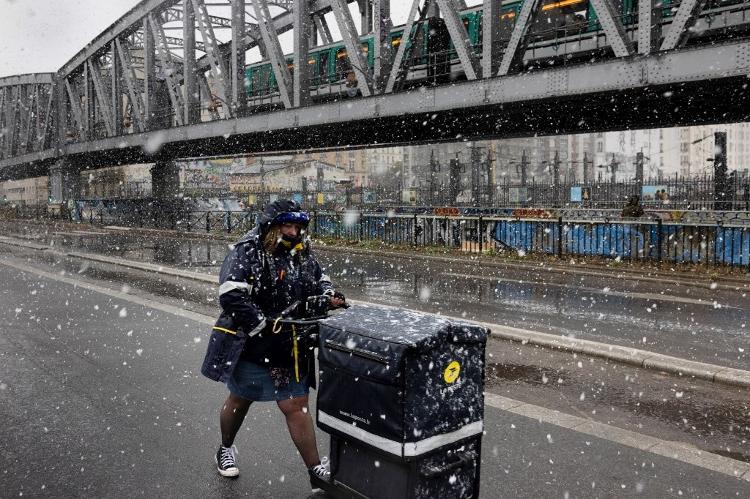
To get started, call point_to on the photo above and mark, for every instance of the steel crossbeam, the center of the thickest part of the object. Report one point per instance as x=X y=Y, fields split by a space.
x=612 y=25
x=466 y=54
x=273 y=48
x=354 y=52
x=396 y=69
x=517 y=37
x=383 y=56
x=102 y=96
x=301 y=80
x=218 y=69
x=683 y=19
x=169 y=72
x=74 y=99
x=137 y=113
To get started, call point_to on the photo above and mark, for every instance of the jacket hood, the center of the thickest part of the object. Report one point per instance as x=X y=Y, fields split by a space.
x=275 y=209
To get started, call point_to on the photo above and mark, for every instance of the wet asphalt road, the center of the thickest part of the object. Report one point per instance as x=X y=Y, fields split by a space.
x=666 y=316
x=104 y=396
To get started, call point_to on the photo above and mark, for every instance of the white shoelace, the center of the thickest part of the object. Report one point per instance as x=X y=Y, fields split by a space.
x=227 y=457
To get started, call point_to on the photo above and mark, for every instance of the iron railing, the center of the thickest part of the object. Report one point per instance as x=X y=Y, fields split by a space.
x=633 y=240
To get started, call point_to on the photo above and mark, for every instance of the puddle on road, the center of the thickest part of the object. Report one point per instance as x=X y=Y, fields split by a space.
x=534 y=375
x=706 y=419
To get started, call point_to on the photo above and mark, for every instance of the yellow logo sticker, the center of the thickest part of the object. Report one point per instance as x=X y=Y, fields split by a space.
x=451 y=372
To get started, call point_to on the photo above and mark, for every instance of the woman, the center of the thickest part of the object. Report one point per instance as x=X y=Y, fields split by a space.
x=268 y=270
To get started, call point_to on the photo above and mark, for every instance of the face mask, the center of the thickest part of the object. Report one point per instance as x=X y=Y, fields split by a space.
x=290 y=241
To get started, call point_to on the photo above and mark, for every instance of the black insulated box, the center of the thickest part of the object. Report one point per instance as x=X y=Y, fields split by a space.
x=401 y=394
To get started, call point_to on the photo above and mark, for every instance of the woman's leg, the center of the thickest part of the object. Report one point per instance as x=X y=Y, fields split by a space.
x=231 y=417
x=300 y=424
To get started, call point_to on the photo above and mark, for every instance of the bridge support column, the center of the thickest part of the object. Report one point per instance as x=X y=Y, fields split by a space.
x=64 y=181
x=165 y=180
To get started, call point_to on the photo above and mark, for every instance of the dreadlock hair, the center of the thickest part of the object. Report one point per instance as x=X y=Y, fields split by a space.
x=273 y=236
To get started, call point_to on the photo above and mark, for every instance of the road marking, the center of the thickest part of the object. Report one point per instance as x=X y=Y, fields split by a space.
x=678 y=451
x=180 y=312
x=674 y=450
x=625 y=294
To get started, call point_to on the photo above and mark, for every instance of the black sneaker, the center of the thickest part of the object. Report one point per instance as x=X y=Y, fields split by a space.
x=226 y=461
x=321 y=471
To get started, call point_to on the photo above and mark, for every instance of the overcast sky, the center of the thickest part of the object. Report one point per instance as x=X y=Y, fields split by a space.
x=39 y=36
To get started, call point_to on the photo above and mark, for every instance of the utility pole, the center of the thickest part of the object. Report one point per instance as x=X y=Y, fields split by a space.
x=586 y=171
x=476 y=179
x=639 y=172
x=454 y=179
x=613 y=166
x=524 y=167
x=556 y=179
x=490 y=169
x=434 y=169
x=319 y=178
x=720 y=171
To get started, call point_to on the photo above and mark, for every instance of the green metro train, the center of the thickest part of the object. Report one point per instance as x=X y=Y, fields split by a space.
x=558 y=18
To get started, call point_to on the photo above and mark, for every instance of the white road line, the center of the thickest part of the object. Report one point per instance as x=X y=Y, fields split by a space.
x=204 y=319
x=609 y=292
x=673 y=450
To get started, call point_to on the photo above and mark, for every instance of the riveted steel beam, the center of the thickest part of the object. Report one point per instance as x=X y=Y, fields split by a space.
x=137 y=111
x=191 y=111
x=301 y=80
x=681 y=23
x=237 y=57
x=74 y=100
x=275 y=55
x=149 y=74
x=516 y=44
x=609 y=18
x=354 y=51
x=169 y=69
x=649 y=24
x=396 y=70
x=460 y=37
x=102 y=96
x=115 y=75
x=383 y=56
x=323 y=29
x=28 y=98
x=490 y=36
x=215 y=58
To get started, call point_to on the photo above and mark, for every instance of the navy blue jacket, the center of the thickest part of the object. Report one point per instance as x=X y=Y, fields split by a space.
x=255 y=287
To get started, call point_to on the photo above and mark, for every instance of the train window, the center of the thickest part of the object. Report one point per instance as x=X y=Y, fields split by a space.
x=507 y=23
x=264 y=74
x=342 y=63
x=561 y=17
x=323 y=67
x=260 y=85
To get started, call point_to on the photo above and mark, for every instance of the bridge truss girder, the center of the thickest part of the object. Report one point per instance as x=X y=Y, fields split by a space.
x=133 y=78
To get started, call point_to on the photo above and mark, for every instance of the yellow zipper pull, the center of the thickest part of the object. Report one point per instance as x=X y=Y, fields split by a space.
x=295 y=351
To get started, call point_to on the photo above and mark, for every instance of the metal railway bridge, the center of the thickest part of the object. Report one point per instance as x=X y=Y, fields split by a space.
x=171 y=78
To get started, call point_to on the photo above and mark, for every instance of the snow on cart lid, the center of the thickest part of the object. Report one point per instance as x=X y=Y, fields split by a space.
x=407 y=327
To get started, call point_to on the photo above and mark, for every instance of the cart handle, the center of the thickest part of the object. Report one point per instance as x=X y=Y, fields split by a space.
x=461 y=461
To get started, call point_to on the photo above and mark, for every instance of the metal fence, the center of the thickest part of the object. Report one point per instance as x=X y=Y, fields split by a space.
x=636 y=239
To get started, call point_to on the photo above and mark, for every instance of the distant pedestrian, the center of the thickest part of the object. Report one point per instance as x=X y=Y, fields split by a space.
x=633 y=209
x=352 y=85
x=663 y=196
x=265 y=272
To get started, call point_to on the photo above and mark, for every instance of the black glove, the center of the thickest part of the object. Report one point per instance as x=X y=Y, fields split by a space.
x=340 y=296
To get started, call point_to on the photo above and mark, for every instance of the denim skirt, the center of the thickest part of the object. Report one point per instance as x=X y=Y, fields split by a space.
x=253 y=382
